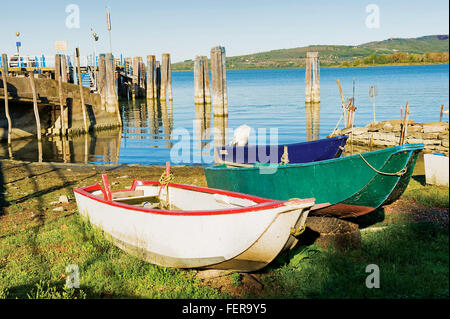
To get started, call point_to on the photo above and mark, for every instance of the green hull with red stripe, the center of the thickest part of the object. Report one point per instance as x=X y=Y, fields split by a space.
x=352 y=185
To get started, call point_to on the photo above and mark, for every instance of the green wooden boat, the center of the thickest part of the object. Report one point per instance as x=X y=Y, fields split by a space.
x=347 y=186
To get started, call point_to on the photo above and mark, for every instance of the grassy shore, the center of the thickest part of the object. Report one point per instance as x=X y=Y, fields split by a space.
x=40 y=237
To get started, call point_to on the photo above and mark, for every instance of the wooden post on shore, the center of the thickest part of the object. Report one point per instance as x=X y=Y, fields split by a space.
x=442 y=111
x=58 y=77
x=83 y=106
x=112 y=100
x=201 y=81
x=5 y=90
x=35 y=106
x=312 y=77
x=344 y=109
x=36 y=115
x=219 y=85
x=150 y=77
x=404 y=124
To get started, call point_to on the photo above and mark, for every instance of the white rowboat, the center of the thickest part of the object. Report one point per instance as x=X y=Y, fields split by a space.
x=205 y=228
x=436 y=169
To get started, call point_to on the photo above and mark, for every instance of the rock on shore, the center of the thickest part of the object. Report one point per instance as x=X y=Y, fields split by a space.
x=387 y=133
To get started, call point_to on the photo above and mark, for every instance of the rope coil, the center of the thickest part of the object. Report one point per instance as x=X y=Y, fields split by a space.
x=285 y=156
x=399 y=173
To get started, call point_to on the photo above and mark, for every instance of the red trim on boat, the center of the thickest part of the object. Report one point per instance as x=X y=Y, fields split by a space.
x=263 y=203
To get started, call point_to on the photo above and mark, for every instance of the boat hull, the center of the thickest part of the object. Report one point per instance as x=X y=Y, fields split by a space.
x=244 y=239
x=436 y=169
x=305 y=152
x=348 y=184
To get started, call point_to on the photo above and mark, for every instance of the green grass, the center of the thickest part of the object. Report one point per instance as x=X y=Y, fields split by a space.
x=413 y=258
x=37 y=259
x=413 y=261
x=427 y=195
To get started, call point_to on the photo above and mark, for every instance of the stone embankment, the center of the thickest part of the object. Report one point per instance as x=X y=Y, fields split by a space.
x=387 y=133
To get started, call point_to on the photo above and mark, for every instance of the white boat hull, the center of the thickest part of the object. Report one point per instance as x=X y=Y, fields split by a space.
x=241 y=239
x=436 y=169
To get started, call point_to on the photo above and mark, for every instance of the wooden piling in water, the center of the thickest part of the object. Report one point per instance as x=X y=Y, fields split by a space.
x=169 y=80
x=202 y=91
x=112 y=101
x=312 y=77
x=164 y=75
x=199 y=96
x=5 y=89
x=101 y=78
x=83 y=106
x=219 y=86
x=143 y=80
x=150 y=77
x=158 y=79
x=207 y=88
x=135 y=78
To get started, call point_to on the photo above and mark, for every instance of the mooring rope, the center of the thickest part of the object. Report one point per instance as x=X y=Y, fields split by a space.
x=399 y=173
x=342 y=115
x=285 y=156
x=165 y=179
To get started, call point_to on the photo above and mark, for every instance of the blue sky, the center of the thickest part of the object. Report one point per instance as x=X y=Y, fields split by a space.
x=189 y=28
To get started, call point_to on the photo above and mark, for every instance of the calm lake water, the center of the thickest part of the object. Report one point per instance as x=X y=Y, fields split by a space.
x=262 y=99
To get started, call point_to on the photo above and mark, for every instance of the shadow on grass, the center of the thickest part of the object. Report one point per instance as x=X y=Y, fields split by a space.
x=58 y=290
x=413 y=262
x=420 y=179
x=367 y=220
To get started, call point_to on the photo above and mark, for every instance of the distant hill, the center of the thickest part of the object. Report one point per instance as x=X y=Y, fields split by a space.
x=331 y=55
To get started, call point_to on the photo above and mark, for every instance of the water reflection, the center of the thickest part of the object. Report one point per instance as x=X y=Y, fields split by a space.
x=220 y=134
x=148 y=119
x=101 y=147
x=312 y=112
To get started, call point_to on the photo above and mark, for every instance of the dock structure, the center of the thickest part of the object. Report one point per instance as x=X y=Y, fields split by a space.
x=219 y=81
x=201 y=81
x=312 y=77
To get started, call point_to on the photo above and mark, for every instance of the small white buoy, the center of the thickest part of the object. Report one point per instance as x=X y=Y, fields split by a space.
x=241 y=135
